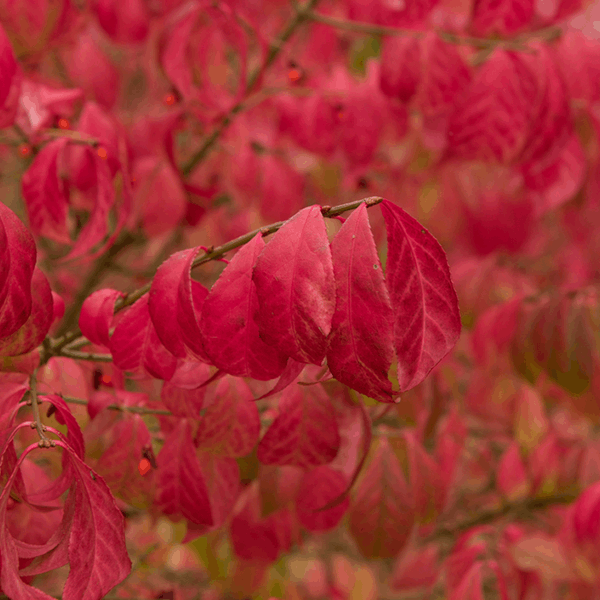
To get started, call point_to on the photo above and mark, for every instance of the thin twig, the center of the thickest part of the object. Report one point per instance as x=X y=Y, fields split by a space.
x=92 y=280
x=86 y=355
x=513 y=509
x=518 y=43
x=45 y=441
x=140 y=410
x=274 y=50
x=55 y=346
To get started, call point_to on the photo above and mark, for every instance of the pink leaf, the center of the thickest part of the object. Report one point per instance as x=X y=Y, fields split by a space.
x=10 y=81
x=135 y=345
x=159 y=200
x=360 y=345
x=229 y=330
x=10 y=582
x=74 y=436
x=305 y=433
x=501 y=17
x=17 y=262
x=37 y=325
x=231 y=423
x=98 y=557
x=295 y=287
x=291 y=373
x=400 y=66
x=222 y=476
x=165 y=300
x=318 y=487
x=183 y=402
x=492 y=118
x=425 y=306
x=45 y=195
x=382 y=513
x=96 y=315
x=445 y=76
x=119 y=462
x=512 y=479
x=181 y=488
x=96 y=228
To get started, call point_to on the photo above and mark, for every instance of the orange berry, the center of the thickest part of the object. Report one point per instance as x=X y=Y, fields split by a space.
x=294 y=75
x=105 y=379
x=63 y=123
x=102 y=153
x=170 y=99
x=144 y=466
x=24 y=150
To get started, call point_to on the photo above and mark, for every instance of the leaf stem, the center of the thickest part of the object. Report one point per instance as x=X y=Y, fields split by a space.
x=45 y=441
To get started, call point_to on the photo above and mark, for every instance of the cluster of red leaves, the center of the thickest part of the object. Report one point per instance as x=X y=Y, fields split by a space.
x=245 y=401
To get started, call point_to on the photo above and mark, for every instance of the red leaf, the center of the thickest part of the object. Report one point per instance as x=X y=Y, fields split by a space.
x=305 y=433
x=318 y=487
x=382 y=513
x=295 y=287
x=32 y=333
x=551 y=124
x=290 y=374
x=183 y=402
x=416 y=568
x=501 y=17
x=229 y=332
x=45 y=195
x=74 y=436
x=425 y=306
x=135 y=345
x=96 y=228
x=98 y=557
x=10 y=82
x=491 y=120
x=400 y=66
x=511 y=477
x=159 y=200
x=10 y=582
x=231 y=423
x=17 y=262
x=96 y=539
x=445 y=76
x=96 y=315
x=360 y=345
x=181 y=488
x=222 y=476
x=119 y=462
x=164 y=300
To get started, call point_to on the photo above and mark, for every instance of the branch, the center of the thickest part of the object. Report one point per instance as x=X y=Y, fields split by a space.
x=92 y=280
x=45 y=441
x=69 y=353
x=452 y=530
x=548 y=33
x=301 y=15
x=140 y=410
x=55 y=347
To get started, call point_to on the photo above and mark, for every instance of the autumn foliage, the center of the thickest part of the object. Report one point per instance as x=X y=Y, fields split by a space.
x=234 y=240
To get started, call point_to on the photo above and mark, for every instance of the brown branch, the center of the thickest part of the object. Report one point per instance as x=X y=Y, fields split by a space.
x=274 y=50
x=518 y=43
x=140 y=410
x=55 y=346
x=71 y=314
x=69 y=353
x=45 y=441
x=512 y=510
